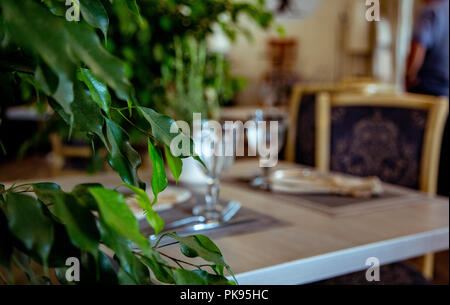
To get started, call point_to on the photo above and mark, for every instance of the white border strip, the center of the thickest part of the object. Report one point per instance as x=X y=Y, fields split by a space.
x=340 y=262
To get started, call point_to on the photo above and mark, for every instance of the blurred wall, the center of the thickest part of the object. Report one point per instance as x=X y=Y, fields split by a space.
x=322 y=45
x=317 y=37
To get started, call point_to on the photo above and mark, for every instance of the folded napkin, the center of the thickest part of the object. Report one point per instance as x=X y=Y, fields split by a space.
x=305 y=181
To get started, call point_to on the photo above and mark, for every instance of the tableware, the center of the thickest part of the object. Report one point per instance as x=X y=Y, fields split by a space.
x=301 y=181
x=262 y=134
x=226 y=215
x=216 y=146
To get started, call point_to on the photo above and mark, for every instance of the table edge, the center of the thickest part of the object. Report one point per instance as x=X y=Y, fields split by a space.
x=319 y=267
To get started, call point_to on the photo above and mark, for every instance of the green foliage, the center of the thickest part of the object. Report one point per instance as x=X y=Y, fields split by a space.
x=27 y=222
x=87 y=86
x=99 y=92
x=174 y=163
x=65 y=226
x=122 y=156
x=149 y=48
x=159 y=180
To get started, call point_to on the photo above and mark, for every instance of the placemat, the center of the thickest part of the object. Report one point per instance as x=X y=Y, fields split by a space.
x=247 y=220
x=338 y=205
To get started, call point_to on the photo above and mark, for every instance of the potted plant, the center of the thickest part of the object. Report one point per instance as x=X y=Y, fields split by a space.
x=87 y=86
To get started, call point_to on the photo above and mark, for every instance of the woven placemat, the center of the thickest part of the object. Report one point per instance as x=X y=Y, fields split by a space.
x=245 y=221
x=339 y=205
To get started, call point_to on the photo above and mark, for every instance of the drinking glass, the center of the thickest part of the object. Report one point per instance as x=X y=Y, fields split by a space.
x=216 y=146
x=262 y=134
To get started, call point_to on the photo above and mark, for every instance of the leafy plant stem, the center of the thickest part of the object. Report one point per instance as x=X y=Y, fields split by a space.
x=147 y=133
x=178 y=261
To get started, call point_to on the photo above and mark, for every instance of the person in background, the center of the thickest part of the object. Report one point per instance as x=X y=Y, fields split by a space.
x=428 y=66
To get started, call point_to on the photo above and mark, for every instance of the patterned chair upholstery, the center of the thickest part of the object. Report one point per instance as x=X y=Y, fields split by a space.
x=378 y=141
x=366 y=141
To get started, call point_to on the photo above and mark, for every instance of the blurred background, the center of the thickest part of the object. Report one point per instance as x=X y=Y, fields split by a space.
x=219 y=58
x=225 y=59
x=254 y=53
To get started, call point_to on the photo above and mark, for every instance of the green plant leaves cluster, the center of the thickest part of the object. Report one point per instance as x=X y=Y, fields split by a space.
x=53 y=225
x=148 y=46
x=87 y=87
x=62 y=45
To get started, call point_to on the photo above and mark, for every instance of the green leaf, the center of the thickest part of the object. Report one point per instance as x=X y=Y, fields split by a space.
x=142 y=197
x=88 y=271
x=133 y=7
x=95 y=14
x=87 y=47
x=122 y=157
x=99 y=91
x=160 y=125
x=189 y=252
x=86 y=114
x=203 y=246
x=84 y=197
x=159 y=180
x=36 y=28
x=160 y=268
x=140 y=276
x=119 y=244
x=218 y=269
x=28 y=223
x=62 y=45
x=155 y=221
x=131 y=269
x=153 y=218
x=79 y=222
x=57 y=7
x=117 y=215
x=6 y=245
x=175 y=163
x=212 y=279
x=46 y=79
x=186 y=277
x=43 y=191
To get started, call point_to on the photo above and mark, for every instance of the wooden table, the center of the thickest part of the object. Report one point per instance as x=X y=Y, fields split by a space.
x=314 y=245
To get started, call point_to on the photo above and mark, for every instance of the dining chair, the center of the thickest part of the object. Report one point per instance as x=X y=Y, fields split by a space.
x=300 y=141
x=396 y=137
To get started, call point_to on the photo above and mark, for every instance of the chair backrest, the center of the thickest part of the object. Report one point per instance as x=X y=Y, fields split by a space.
x=301 y=135
x=396 y=137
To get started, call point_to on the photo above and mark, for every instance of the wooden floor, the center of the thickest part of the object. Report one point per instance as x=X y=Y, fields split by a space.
x=40 y=167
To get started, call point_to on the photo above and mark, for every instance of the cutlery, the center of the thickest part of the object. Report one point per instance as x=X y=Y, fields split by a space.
x=226 y=215
x=203 y=227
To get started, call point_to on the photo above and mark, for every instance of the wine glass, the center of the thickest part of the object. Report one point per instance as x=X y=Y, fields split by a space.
x=262 y=133
x=216 y=146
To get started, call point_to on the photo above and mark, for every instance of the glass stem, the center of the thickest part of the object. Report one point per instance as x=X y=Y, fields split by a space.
x=265 y=171
x=212 y=194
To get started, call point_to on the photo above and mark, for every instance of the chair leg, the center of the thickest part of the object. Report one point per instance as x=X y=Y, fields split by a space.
x=428 y=266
